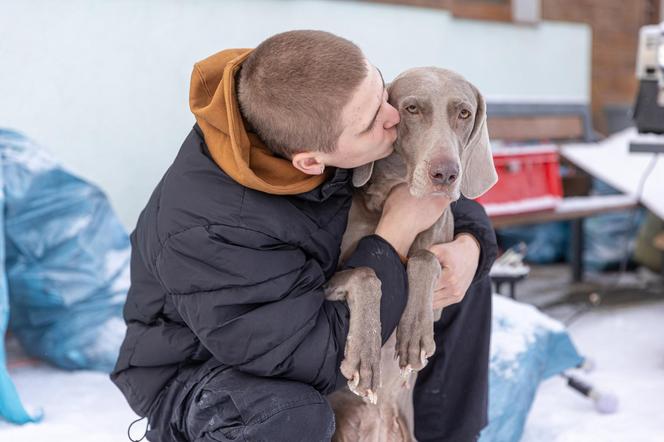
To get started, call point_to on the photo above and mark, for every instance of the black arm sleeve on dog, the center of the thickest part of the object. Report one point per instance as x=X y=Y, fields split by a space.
x=470 y=217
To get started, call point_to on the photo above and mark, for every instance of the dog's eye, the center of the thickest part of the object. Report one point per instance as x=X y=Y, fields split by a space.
x=411 y=108
x=464 y=114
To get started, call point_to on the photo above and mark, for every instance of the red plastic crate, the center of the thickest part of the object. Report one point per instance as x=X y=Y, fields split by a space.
x=528 y=181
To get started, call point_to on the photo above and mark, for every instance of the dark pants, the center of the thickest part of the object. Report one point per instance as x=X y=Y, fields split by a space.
x=211 y=403
x=451 y=393
x=217 y=403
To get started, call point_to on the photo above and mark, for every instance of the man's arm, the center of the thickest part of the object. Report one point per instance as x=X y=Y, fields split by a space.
x=469 y=257
x=258 y=304
x=470 y=217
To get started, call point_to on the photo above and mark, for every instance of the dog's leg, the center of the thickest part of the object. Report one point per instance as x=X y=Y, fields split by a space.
x=415 y=341
x=360 y=287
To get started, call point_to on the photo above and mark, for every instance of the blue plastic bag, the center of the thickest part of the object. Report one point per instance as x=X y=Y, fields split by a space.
x=545 y=243
x=11 y=408
x=610 y=238
x=605 y=236
x=67 y=260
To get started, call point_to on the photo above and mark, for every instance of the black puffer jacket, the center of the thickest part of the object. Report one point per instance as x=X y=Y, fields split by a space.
x=222 y=271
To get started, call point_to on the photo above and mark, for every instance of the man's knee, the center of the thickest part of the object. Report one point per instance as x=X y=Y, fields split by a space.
x=262 y=409
x=312 y=421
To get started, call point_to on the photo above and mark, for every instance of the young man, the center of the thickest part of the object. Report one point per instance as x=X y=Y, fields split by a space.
x=228 y=332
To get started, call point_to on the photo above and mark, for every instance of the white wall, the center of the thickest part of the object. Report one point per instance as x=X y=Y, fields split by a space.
x=104 y=84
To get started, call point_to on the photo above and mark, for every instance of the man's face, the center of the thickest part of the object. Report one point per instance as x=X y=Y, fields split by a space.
x=369 y=123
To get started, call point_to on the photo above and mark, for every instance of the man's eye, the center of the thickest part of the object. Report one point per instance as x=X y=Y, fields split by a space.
x=464 y=114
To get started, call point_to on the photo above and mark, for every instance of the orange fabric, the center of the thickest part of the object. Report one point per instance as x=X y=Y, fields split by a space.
x=241 y=154
x=404 y=259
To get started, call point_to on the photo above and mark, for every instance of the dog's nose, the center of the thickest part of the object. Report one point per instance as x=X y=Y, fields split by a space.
x=444 y=172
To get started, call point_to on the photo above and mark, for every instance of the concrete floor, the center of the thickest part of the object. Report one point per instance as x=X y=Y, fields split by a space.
x=550 y=288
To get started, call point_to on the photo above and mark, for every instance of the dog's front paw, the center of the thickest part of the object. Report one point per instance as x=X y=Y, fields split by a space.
x=361 y=364
x=415 y=343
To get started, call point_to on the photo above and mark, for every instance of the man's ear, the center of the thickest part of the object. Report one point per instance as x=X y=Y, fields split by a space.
x=308 y=162
x=479 y=173
x=361 y=174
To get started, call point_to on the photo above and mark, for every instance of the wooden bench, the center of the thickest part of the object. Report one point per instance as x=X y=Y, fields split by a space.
x=573 y=209
x=558 y=123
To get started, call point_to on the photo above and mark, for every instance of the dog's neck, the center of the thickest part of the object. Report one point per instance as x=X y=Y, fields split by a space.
x=387 y=173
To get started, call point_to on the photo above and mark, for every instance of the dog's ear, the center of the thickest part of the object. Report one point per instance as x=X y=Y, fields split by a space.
x=361 y=174
x=479 y=173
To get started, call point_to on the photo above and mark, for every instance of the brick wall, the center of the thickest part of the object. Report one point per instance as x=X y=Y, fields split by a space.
x=615 y=27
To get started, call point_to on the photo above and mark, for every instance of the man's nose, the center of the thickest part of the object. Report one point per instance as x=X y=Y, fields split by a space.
x=393 y=117
x=444 y=172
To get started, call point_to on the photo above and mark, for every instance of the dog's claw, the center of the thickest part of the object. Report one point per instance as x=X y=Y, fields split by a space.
x=353 y=383
x=405 y=371
x=356 y=380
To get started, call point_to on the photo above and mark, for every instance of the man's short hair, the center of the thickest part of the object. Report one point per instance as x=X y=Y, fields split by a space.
x=292 y=88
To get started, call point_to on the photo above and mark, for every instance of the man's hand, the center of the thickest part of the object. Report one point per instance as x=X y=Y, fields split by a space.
x=405 y=216
x=459 y=260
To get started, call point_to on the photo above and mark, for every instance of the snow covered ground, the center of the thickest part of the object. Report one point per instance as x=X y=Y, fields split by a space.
x=78 y=407
x=627 y=344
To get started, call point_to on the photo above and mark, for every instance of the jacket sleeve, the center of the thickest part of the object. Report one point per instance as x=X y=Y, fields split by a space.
x=257 y=303
x=470 y=217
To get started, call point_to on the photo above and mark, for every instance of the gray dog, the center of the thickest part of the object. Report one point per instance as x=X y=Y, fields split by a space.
x=442 y=147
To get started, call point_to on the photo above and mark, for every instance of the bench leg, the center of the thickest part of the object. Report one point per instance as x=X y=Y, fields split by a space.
x=498 y=286
x=577 y=250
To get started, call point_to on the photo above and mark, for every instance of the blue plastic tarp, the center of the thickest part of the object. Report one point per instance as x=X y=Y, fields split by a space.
x=526 y=348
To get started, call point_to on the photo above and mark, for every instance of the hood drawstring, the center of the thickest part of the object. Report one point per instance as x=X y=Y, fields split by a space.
x=147 y=427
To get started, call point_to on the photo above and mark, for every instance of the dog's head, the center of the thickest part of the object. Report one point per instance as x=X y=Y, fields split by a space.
x=442 y=135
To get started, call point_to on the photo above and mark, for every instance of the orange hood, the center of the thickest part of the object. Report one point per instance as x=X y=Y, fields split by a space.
x=239 y=153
